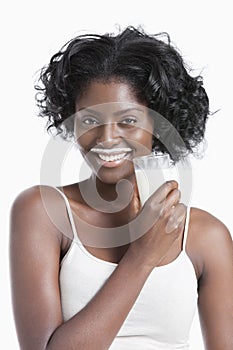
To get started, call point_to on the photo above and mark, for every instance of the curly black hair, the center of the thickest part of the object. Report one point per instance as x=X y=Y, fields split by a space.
x=149 y=64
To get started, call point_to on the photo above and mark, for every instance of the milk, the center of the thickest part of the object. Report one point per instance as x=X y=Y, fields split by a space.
x=149 y=180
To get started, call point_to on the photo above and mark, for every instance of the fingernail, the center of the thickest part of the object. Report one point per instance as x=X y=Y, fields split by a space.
x=171 y=226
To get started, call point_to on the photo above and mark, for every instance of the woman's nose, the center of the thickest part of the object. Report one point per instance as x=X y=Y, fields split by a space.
x=108 y=133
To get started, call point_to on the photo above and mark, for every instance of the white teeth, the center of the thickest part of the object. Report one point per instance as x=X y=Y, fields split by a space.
x=111 y=151
x=111 y=158
x=112 y=154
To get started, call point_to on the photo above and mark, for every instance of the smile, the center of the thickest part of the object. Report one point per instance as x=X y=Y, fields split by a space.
x=111 y=155
x=111 y=158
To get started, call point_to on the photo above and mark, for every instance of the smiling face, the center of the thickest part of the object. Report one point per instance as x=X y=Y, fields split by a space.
x=111 y=128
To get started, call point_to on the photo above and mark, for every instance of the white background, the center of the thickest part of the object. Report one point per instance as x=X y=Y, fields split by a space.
x=32 y=31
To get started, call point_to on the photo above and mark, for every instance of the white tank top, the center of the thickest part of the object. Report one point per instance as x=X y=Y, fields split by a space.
x=162 y=314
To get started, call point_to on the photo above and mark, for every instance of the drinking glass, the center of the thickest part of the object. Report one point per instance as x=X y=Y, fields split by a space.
x=151 y=172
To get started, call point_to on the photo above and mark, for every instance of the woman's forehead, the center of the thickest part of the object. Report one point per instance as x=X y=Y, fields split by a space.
x=113 y=108
x=98 y=93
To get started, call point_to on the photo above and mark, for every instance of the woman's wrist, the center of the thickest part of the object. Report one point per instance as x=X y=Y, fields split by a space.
x=138 y=260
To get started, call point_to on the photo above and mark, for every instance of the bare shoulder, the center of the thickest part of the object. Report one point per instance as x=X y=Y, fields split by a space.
x=27 y=205
x=34 y=202
x=31 y=197
x=208 y=239
x=40 y=205
x=207 y=226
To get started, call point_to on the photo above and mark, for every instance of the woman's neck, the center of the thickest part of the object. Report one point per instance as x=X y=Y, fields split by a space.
x=105 y=195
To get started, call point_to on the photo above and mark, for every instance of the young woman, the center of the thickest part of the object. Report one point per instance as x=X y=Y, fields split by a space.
x=90 y=267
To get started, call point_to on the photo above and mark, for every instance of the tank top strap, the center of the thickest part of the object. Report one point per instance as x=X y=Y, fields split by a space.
x=70 y=215
x=186 y=228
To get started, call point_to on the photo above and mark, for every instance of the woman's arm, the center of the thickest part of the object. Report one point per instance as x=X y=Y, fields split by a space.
x=216 y=284
x=35 y=248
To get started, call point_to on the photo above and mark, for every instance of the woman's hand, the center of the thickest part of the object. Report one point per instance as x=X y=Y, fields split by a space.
x=157 y=224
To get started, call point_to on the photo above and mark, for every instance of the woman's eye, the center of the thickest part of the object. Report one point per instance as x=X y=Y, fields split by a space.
x=90 y=121
x=129 y=121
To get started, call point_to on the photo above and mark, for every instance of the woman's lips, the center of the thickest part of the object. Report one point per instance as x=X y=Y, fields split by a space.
x=111 y=158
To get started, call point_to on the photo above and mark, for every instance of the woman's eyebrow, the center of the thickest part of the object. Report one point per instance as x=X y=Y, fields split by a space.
x=127 y=110
x=117 y=113
x=90 y=111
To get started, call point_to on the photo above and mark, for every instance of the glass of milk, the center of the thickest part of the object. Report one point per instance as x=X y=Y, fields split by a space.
x=151 y=172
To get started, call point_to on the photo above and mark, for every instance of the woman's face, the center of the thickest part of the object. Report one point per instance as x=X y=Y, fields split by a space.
x=111 y=128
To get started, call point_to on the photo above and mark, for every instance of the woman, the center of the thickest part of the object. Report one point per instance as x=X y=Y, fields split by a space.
x=76 y=289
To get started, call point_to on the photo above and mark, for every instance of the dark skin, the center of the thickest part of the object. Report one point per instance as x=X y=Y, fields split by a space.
x=38 y=244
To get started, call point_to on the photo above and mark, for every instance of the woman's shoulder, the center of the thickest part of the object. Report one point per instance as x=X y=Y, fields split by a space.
x=41 y=204
x=33 y=197
x=208 y=238
x=206 y=224
x=35 y=194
